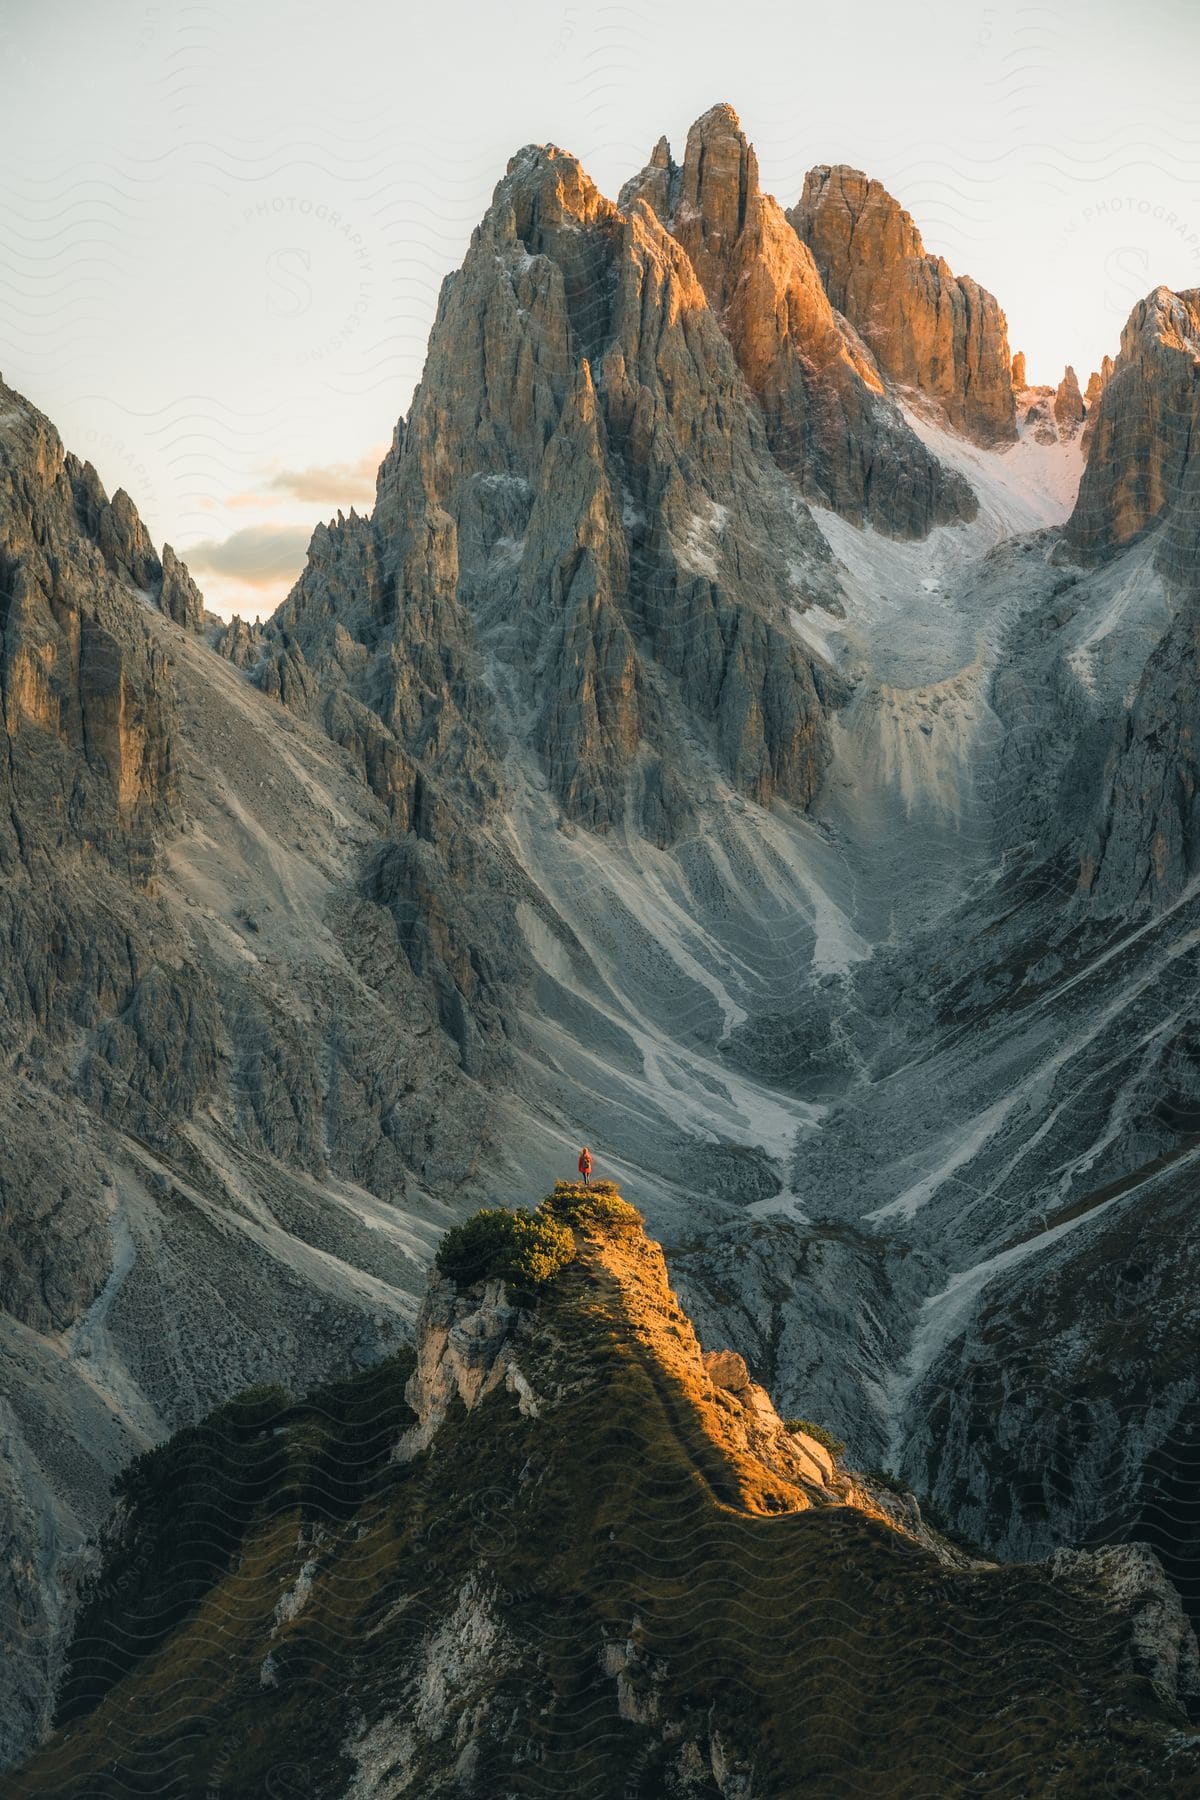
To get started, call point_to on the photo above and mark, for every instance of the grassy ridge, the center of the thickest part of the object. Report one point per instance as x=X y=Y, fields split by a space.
x=592 y=1589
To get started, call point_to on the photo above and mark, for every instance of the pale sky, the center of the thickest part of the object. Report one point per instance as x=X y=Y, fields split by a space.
x=224 y=226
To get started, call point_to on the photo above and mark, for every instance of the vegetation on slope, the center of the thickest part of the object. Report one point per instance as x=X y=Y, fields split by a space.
x=605 y=1593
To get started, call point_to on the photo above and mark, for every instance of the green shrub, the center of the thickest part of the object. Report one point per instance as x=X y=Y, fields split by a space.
x=342 y=1435
x=811 y=1429
x=188 y=1506
x=575 y=1204
x=519 y=1247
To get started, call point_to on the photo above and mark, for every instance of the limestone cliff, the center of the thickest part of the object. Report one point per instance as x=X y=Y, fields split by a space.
x=1098 y=380
x=1142 y=443
x=87 y=698
x=1068 y=404
x=582 y=500
x=830 y=420
x=1142 y=480
x=932 y=331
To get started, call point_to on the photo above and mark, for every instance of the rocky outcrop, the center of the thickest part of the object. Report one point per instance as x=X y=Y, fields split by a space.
x=1019 y=381
x=1162 y=1642
x=1068 y=404
x=1051 y=415
x=830 y=421
x=728 y=1371
x=1098 y=380
x=91 y=791
x=126 y=547
x=1039 y=420
x=465 y=1349
x=178 y=595
x=1054 y=415
x=939 y=334
x=86 y=695
x=700 y=1595
x=239 y=642
x=1142 y=442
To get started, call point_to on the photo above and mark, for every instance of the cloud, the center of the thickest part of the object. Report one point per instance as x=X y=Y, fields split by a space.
x=335 y=483
x=258 y=555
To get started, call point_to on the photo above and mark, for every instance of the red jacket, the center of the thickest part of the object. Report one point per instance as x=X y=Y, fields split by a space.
x=585 y=1163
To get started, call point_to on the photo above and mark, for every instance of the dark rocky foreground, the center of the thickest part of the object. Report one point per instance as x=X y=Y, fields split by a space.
x=559 y=1551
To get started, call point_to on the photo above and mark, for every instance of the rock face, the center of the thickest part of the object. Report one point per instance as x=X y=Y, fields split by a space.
x=559 y=503
x=1068 y=404
x=465 y=1349
x=1098 y=380
x=1144 y=844
x=930 y=330
x=387 y=1620
x=87 y=701
x=829 y=419
x=125 y=545
x=1142 y=480
x=1142 y=441
x=1054 y=415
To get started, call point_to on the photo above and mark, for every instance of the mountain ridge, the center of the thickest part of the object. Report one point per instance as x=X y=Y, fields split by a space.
x=572 y=1455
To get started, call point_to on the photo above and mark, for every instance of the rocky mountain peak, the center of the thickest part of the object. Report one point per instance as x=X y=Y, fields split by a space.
x=718 y=186
x=1019 y=379
x=1142 y=439
x=549 y=190
x=939 y=334
x=1069 y=407
x=86 y=695
x=831 y=422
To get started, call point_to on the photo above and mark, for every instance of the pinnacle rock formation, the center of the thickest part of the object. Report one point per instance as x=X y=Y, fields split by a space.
x=1019 y=381
x=552 y=503
x=1068 y=404
x=930 y=330
x=125 y=545
x=1098 y=380
x=830 y=421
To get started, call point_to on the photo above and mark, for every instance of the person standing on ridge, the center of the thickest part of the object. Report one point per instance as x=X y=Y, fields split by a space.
x=585 y=1166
